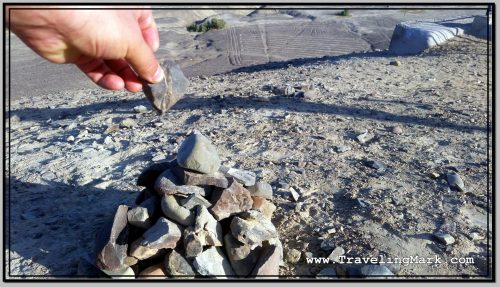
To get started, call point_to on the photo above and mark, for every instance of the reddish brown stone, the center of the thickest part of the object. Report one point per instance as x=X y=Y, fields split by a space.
x=266 y=207
x=153 y=272
x=232 y=200
x=187 y=177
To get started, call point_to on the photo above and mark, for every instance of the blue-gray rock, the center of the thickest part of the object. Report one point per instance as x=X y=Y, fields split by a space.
x=327 y=273
x=198 y=154
x=177 y=266
x=455 y=181
x=444 y=238
x=377 y=271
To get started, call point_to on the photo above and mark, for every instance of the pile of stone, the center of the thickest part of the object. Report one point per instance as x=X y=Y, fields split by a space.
x=195 y=218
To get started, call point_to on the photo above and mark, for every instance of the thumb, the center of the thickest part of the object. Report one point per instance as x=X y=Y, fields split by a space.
x=143 y=61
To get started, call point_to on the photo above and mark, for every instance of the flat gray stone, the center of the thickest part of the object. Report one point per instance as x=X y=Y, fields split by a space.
x=247 y=178
x=168 y=183
x=193 y=200
x=172 y=210
x=444 y=238
x=212 y=262
x=140 y=216
x=177 y=266
x=413 y=38
x=164 y=234
x=198 y=154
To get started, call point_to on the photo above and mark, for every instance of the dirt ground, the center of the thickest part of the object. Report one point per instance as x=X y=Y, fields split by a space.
x=62 y=190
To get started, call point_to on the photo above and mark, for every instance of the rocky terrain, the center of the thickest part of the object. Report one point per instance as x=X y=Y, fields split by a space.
x=363 y=152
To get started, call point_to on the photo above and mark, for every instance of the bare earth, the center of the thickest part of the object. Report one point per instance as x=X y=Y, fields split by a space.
x=61 y=191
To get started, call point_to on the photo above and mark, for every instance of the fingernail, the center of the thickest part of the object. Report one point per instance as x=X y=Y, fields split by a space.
x=158 y=75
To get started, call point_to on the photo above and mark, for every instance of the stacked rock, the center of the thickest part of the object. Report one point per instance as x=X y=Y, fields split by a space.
x=195 y=218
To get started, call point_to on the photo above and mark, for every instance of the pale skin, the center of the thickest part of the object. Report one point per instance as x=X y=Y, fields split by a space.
x=114 y=48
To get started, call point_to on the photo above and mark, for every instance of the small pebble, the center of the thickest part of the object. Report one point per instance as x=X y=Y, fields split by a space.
x=140 y=109
x=444 y=238
x=397 y=130
x=128 y=123
x=71 y=139
x=395 y=63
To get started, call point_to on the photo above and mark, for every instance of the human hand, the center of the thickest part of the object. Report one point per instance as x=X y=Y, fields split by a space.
x=114 y=48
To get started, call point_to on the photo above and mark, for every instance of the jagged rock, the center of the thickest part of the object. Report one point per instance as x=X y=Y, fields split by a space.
x=198 y=154
x=252 y=228
x=444 y=238
x=187 y=177
x=164 y=234
x=193 y=200
x=167 y=183
x=231 y=200
x=153 y=272
x=175 y=212
x=213 y=262
x=141 y=215
x=266 y=207
x=192 y=243
x=268 y=263
x=207 y=228
x=261 y=189
x=334 y=256
x=295 y=194
x=455 y=181
x=112 y=242
x=247 y=178
x=242 y=258
x=123 y=273
x=276 y=241
x=177 y=266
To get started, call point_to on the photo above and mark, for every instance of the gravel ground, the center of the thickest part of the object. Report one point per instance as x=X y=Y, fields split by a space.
x=72 y=161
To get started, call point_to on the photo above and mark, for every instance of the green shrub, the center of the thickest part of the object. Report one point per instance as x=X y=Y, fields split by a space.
x=208 y=25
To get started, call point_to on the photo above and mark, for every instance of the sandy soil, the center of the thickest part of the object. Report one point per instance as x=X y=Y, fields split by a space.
x=61 y=191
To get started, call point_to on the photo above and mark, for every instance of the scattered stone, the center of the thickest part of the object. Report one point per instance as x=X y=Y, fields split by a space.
x=434 y=175
x=216 y=179
x=327 y=273
x=112 y=129
x=266 y=207
x=444 y=238
x=375 y=164
x=192 y=243
x=172 y=210
x=83 y=134
x=112 y=243
x=164 y=234
x=455 y=182
x=395 y=63
x=178 y=266
x=247 y=178
x=375 y=271
x=128 y=123
x=232 y=200
x=166 y=183
x=261 y=189
x=293 y=256
x=295 y=194
x=198 y=154
x=70 y=139
x=252 y=228
x=213 y=262
x=140 y=109
x=153 y=272
x=268 y=263
x=363 y=137
x=158 y=157
x=397 y=130
x=207 y=228
x=193 y=200
x=334 y=256
x=363 y=202
x=108 y=140
x=474 y=236
x=342 y=148
x=240 y=255
x=140 y=216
